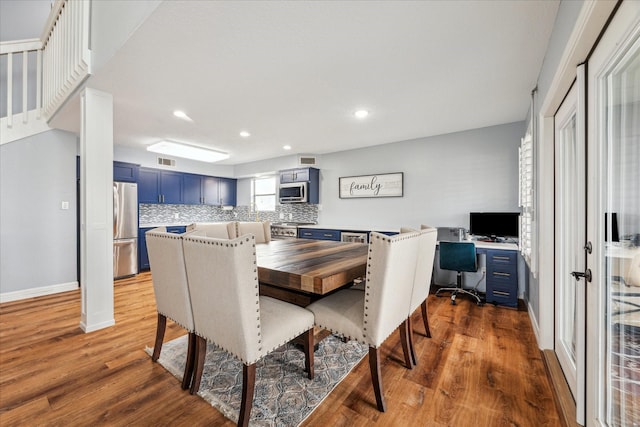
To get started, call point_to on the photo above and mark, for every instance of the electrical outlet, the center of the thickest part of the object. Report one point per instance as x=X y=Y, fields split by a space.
x=176 y=216
x=281 y=215
x=484 y=269
x=290 y=217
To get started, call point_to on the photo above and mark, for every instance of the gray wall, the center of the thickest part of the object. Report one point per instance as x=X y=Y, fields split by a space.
x=37 y=237
x=565 y=21
x=445 y=178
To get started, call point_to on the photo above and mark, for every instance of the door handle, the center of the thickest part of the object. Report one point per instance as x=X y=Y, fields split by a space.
x=587 y=275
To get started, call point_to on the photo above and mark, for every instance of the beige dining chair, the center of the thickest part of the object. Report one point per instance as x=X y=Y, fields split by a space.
x=218 y=230
x=371 y=316
x=260 y=229
x=422 y=281
x=170 y=287
x=229 y=312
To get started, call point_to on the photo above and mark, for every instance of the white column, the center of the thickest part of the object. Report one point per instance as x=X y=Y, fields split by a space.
x=96 y=210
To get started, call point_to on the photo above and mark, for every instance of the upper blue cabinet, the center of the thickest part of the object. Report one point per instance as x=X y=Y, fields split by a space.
x=159 y=186
x=125 y=172
x=308 y=175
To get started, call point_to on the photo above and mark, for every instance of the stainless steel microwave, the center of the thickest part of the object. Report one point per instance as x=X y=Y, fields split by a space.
x=294 y=192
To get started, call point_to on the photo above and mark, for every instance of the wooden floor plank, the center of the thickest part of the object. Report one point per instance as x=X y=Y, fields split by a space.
x=481 y=368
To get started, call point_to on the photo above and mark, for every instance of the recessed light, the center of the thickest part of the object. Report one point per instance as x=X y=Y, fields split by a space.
x=361 y=114
x=245 y=134
x=286 y=147
x=182 y=115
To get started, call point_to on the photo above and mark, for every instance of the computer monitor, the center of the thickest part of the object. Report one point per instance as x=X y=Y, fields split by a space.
x=615 y=237
x=494 y=224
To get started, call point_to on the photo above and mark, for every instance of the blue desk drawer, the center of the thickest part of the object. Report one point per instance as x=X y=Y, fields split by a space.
x=502 y=277
x=502 y=297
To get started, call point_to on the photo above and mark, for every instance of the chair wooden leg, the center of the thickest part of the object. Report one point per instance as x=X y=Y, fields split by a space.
x=188 y=366
x=308 y=353
x=404 y=340
x=201 y=352
x=414 y=358
x=376 y=377
x=248 y=385
x=425 y=318
x=162 y=325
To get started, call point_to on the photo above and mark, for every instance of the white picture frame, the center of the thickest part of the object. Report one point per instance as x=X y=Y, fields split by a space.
x=371 y=186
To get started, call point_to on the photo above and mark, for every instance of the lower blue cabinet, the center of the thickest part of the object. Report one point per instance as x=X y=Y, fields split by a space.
x=502 y=278
x=319 y=234
x=143 y=254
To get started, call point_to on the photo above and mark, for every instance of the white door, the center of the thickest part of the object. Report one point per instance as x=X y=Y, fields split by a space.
x=570 y=214
x=613 y=187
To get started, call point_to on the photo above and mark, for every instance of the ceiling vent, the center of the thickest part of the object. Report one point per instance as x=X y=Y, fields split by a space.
x=166 y=162
x=307 y=161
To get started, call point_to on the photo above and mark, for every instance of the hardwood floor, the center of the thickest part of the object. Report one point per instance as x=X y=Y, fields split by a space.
x=481 y=368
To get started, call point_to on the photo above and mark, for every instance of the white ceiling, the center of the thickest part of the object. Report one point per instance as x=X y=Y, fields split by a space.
x=293 y=73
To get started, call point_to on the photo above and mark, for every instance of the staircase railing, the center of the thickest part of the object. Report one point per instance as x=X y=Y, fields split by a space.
x=24 y=47
x=66 y=54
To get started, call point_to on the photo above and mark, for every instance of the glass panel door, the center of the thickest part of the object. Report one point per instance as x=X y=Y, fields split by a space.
x=613 y=299
x=570 y=212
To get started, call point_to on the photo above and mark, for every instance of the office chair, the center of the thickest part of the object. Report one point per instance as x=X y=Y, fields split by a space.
x=459 y=257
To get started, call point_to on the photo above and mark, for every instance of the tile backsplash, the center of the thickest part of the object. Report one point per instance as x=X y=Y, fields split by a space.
x=185 y=214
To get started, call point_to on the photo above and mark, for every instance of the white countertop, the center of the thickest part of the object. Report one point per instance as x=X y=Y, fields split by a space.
x=166 y=224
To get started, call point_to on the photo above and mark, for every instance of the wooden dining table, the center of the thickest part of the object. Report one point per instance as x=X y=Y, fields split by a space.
x=303 y=270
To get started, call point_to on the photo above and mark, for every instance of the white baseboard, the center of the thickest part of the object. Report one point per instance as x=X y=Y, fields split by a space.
x=97 y=326
x=38 y=292
x=534 y=324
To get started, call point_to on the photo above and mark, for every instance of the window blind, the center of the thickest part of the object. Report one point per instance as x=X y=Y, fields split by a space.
x=527 y=232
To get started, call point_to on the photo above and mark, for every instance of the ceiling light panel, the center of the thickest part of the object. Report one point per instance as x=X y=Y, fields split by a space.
x=186 y=151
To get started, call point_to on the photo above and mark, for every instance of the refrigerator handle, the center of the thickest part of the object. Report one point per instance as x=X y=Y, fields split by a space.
x=115 y=209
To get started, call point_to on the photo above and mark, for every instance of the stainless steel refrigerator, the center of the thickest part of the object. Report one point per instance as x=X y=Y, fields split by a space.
x=125 y=229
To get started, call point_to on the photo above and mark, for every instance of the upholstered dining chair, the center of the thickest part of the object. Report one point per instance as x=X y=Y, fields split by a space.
x=371 y=316
x=422 y=281
x=260 y=229
x=218 y=230
x=228 y=310
x=170 y=287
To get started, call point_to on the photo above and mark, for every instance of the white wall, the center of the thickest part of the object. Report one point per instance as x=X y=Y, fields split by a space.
x=37 y=237
x=112 y=23
x=445 y=178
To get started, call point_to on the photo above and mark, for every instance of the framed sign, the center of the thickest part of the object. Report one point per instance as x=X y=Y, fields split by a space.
x=382 y=185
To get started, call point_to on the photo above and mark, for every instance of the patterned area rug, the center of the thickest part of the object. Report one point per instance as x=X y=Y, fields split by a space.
x=283 y=396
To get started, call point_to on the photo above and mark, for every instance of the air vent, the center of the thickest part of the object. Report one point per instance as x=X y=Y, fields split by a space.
x=307 y=161
x=166 y=162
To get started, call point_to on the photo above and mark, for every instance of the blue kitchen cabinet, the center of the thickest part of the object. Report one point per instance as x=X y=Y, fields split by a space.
x=210 y=190
x=191 y=189
x=205 y=190
x=143 y=253
x=227 y=191
x=309 y=175
x=319 y=234
x=125 y=172
x=148 y=185
x=159 y=186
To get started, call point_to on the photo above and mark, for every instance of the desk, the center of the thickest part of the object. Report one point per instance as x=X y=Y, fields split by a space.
x=311 y=267
x=502 y=272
